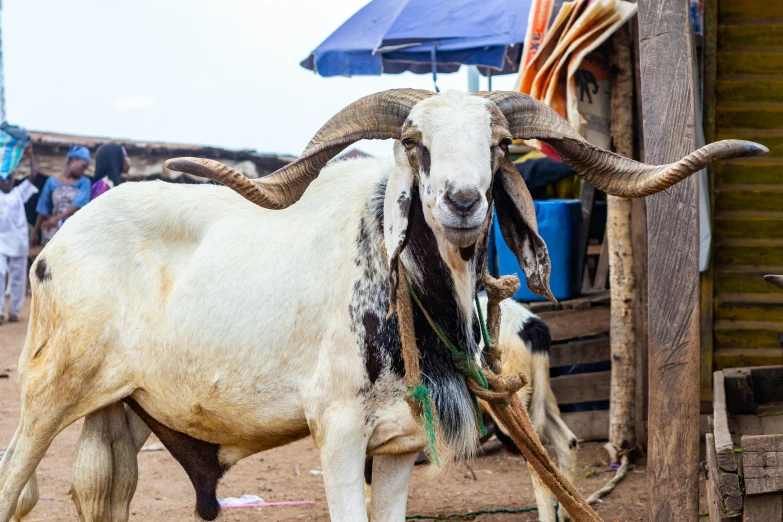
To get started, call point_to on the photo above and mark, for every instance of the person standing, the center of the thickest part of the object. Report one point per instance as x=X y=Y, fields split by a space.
x=63 y=195
x=111 y=162
x=14 y=238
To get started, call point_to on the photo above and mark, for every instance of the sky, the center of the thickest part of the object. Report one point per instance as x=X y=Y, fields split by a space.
x=209 y=72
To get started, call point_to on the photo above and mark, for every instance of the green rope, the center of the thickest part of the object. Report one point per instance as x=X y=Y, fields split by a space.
x=464 y=363
x=479 y=418
x=450 y=516
x=483 y=324
x=421 y=396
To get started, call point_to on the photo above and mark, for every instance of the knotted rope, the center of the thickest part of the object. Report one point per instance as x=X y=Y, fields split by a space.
x=485 y=383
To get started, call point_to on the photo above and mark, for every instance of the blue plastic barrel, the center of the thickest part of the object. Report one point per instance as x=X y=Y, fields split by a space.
x=559 y=222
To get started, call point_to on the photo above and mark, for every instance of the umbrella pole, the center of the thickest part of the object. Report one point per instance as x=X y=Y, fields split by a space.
x=473 y=78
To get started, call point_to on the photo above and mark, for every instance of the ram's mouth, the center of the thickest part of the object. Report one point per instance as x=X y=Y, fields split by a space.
x=461 y=237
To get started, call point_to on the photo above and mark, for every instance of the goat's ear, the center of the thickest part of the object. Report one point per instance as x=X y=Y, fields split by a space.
x=517 y=217
x=396 y=217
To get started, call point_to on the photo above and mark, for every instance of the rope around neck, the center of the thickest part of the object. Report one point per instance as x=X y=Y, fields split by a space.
x=500 y=392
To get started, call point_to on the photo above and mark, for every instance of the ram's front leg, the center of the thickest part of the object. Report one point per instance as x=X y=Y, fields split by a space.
x=391 y=477
x=342 y=436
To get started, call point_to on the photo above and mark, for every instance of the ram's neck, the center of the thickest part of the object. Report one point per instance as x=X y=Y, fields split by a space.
x=443 y=276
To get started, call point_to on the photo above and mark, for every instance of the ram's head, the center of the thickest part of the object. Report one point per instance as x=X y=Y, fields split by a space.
x=451 y=154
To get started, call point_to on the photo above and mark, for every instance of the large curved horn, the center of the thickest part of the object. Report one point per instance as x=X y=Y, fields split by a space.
x=528 y=118
x=776 y=280
x=375 y=117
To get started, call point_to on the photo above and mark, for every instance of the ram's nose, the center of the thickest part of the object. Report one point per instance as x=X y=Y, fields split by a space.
x=463 y=202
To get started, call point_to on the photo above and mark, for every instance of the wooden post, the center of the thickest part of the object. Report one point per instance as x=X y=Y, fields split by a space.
x=673 y=256
x=707 y=278
x=621 y=259
x=639 y=234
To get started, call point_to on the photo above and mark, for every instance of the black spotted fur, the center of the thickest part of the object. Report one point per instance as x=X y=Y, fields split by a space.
x=378 y=337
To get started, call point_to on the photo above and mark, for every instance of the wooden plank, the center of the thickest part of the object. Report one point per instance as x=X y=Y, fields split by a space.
x=709 y=78
x=748 y=171
x=735 y=280
x=729 y=487
x=764 y=508
x=714 y=498
x=602 y=271
x=724 y=448
x=582 y=387
x=738 y=385
x=740 y=425
x=751 y=35
x=769 y=409
x=587 y=198
x=762 y=463
x=768 y=384
x=583 y=322
x=544 y=306
x=588 y=425
x=765 y=89
x=729 y=309
x=746 y=334
x=707 y=328
x=739 y=357
x=749 y=225
x=579 y=352
x=749 y=253
x=755 y=198
x=759 y=115
x=666 y=58
x=755 y=62
x=743 y=9
x=594 y=250
x=639 y=239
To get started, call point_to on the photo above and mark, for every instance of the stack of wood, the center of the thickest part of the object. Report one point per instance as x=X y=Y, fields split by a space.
x=580 y=337
x=745 y=446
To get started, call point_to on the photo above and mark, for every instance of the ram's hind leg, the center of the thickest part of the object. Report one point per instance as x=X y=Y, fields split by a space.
x=105 y=469
x=33 y=436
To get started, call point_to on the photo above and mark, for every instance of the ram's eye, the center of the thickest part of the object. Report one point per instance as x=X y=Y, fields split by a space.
x=505 y=143
x=409 y=143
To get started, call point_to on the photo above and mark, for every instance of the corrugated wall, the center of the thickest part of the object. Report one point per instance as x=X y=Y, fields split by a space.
x=748 y=313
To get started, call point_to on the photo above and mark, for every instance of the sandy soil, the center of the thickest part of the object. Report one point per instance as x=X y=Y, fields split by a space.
x=291 y=473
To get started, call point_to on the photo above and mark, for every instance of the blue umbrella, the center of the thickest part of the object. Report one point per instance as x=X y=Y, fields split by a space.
x=421 y=36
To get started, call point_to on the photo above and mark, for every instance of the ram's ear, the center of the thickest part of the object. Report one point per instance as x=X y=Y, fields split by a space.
x=401 y=192
x=517 y=217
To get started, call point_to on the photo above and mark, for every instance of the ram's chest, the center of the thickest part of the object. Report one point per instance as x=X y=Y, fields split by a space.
x=377 y=338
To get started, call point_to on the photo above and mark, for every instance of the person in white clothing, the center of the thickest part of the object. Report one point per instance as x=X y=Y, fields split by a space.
x=15 y=238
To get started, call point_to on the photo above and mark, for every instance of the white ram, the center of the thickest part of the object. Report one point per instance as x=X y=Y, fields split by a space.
x=229 y=328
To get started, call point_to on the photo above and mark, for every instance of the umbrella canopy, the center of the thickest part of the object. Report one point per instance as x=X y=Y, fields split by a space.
x=423 y=36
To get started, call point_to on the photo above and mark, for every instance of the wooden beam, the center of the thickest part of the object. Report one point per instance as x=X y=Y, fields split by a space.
x=639 y=237
x=587 y=197
x=708 y=277
x=762 y=464
x=579 y=352
x=730 y=493
x=665 y=45
x=581 y=322
x=582 y=387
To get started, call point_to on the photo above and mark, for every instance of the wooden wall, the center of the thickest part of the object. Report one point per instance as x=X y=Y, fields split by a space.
x=748 y=193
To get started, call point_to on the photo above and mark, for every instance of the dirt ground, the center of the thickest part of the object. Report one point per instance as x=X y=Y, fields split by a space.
x=291 y=473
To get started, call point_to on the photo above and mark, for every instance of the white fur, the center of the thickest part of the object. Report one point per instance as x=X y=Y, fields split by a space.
x=518 y=357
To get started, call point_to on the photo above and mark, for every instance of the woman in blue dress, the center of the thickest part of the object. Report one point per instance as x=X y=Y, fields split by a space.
x=63 y=195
